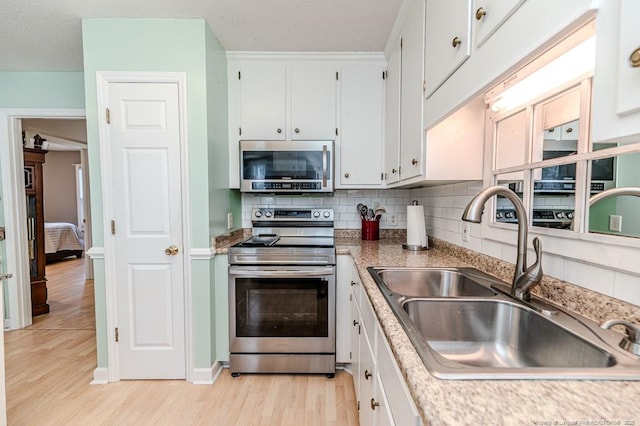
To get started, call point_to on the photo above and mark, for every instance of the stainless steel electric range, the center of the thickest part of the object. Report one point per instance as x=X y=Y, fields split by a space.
x=282 y=293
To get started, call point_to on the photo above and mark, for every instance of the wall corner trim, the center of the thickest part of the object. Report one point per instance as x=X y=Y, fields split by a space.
x=206 y=376
x=100 y=376
x=96 y=252
x=202 y=253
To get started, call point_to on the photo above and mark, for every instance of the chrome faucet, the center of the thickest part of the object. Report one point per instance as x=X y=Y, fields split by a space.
x=631 y=341
x=524 y=279
x=614 y=192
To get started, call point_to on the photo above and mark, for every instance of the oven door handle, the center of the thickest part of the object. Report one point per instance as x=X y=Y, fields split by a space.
x=319 y=272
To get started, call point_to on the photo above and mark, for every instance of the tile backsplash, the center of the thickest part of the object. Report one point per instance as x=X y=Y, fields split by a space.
x=443 y=206
x=343 y=202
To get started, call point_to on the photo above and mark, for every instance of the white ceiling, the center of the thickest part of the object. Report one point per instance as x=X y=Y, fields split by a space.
x=46 y=35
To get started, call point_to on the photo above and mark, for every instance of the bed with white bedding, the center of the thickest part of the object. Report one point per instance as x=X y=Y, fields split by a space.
x=62 y=240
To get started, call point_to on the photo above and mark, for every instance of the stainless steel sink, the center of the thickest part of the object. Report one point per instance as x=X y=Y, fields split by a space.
x=434 y=282
x=463 y=334
x=500 y=334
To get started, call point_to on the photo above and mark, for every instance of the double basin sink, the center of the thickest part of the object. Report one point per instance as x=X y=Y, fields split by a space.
x=464 y=325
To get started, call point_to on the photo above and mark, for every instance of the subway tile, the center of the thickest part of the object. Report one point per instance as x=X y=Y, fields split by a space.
x=589 y=277
x=627 y=288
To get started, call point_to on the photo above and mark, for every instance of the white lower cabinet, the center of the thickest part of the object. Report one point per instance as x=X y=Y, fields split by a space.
x=382 y=395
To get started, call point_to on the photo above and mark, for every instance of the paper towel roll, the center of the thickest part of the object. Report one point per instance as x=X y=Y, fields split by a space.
x=416 y=229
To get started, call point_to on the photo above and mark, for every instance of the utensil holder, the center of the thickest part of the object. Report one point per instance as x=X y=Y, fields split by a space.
x=370 y=229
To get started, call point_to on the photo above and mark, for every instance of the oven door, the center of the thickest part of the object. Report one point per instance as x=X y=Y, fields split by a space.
x=278 y=309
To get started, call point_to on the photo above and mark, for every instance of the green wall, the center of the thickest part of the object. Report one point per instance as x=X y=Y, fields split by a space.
x=62 y=90
x=171 y=45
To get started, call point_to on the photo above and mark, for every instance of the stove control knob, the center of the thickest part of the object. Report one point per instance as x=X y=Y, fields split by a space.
x=327 y=214
x=508 y=215
x=499 y=215
x=559 y=215
x=268 y=213
x=258 y=213
x=569 y=215
x=316 y=214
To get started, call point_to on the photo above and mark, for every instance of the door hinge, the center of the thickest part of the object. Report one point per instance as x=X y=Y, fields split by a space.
x=384 y=75
x=239 y=76
x=337 y=76
x=424 y=86
x=336 y=131
x=117 y=334
x=108 y=114
x=240 y=131
x=113 y=227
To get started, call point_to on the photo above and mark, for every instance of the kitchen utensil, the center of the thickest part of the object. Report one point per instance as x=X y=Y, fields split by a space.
x=363 y=212
x=370 y=215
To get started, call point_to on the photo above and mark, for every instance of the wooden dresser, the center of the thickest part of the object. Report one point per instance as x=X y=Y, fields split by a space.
x=33 y=161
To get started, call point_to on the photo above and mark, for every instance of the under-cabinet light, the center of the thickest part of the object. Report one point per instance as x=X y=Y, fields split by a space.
x=574 y=64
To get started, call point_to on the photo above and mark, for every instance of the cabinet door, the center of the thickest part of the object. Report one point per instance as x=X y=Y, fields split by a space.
x=489 y=15
x=344 y=278
x=380 y=406
x=411 y=132
x=447 y=40
x=313 y=102
x=366 y=379
x=361 y=124
x=356 y=331
x=262 y=101
x=629 y=58
x=392 y=114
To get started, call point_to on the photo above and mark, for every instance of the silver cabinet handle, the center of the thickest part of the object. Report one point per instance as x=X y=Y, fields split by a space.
x=321 y=272
x=324 y=165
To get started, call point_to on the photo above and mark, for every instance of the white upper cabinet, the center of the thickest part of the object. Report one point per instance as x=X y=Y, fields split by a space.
x=262 y=101
x=361 y=124
x=313 y=102
x=304 y=97
x=411 y=99
x=448 y=39
x=392 y=114
x=616 y=82
x=489 y=15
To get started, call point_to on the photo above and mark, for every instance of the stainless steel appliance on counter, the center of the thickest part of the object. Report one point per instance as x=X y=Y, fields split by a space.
x=286 y=166
x=282 y=294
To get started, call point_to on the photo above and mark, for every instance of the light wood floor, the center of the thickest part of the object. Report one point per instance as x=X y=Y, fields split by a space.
x=49 y=367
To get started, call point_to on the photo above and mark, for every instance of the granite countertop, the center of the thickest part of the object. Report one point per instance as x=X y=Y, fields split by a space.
x=446 y=402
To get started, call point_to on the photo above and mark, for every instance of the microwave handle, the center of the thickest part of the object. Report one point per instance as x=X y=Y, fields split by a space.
x=324 y=166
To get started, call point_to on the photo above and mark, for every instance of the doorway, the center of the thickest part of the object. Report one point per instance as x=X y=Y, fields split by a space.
x=17 y=304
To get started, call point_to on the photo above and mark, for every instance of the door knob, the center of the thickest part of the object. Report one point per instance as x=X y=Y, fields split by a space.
x=635 y=58
x=171 y=250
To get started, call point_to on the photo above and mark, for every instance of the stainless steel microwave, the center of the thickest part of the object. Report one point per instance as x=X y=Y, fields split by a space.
x=286 y=166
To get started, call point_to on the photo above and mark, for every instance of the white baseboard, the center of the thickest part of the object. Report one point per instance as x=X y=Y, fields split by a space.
x=206 y=376
x=100 y=376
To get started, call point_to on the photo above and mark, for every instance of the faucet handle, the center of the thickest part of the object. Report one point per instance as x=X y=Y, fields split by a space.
x=631 y=341
x=535 y=270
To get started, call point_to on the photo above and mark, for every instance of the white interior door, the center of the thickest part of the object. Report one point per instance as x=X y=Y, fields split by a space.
x=147 y=205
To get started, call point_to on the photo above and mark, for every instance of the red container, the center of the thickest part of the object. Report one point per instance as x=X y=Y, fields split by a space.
x=370 y=229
